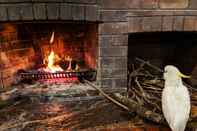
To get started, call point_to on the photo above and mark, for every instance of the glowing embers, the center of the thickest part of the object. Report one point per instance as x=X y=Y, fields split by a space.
x=59 y=80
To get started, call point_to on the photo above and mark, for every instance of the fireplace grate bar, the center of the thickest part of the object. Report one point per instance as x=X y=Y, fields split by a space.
x=89 y=75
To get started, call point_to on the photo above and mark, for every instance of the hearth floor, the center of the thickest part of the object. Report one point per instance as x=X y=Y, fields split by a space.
x=57 y=113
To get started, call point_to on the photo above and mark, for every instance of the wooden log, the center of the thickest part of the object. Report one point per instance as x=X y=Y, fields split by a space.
x=140 y=110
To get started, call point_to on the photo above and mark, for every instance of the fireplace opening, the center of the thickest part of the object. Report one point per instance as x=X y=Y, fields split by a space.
x=164 y=48
x=48 y=52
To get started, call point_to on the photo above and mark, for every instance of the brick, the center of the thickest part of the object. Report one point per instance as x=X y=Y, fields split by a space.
x=189 y=23
x=190 y=13
x=114 y=51
x=135 y=24
x=47 y=1
x=148 y=13
x=178 y=23
x=106 y=61
x=167 y=23
x=115 y=62
x=14 y=1
x=119 y=83
x=82 y=1
x=152 y=24
x=118 y=4
x=78 y=12
x=134 y=4
x=150 y=4
x=111 y=72
x=3 y=13
x=39 y=11
x=193 y=4
x=53 y=11
x=105 y=40
x=114 y=16
x=195 y=26
x=120 y=40
x=169 y=4
x=91 y=13
x=113 y=28
x=26 y=12
x=113 y=40
x=65 y=12
x=106 y=83
x=13 y=12
x=120 y=62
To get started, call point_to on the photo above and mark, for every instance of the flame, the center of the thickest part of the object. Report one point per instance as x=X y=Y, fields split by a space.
x=77 y=67
x=51 y=67
x=52 y=60
x=52 y=38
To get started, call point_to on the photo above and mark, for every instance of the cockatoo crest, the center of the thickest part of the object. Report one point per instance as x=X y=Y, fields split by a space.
x=172 y=73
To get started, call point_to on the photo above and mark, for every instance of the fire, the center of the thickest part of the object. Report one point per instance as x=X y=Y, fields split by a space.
x=52 y=38
x=53 y=60
x=51 y=66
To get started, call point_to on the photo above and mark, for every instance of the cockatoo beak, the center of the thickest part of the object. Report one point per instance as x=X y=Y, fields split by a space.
x=182 y=75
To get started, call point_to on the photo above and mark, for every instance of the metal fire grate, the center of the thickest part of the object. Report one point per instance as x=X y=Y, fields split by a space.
x=89 y=75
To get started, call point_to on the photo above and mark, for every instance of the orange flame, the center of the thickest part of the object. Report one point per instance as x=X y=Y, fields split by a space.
x=53 y=59
x=52 y=38
x=77 y=67
x=51 y=67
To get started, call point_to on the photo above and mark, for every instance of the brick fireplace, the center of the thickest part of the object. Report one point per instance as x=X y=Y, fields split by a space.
x=113 y=22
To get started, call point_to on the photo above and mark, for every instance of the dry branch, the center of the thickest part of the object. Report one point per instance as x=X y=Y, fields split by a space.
x=107 y=96
x=140 y=110
x=144 y=92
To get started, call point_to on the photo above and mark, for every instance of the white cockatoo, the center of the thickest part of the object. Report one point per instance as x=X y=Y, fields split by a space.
x=175 y=99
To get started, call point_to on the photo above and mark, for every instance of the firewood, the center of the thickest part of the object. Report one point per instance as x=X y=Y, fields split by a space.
x=106 y=95
x=145 y=89
x=140 y=110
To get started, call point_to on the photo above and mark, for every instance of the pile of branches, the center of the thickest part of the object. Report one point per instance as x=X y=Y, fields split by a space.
x=145 y=85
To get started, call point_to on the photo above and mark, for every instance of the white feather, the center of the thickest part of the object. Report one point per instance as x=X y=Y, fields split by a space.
x=175 y=100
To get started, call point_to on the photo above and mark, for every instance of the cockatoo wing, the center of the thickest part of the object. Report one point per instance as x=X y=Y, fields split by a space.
x=176 y=107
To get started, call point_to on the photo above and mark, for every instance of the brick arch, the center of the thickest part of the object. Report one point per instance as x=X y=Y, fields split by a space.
x=162 y=21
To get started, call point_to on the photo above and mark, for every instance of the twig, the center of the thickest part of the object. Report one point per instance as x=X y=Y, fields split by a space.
x=106 y=95
x=140 y=110
x=44 y=121
x=150 y=65
x=145 y=95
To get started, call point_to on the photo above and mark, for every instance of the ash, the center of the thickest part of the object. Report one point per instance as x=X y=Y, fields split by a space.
x=76 y=89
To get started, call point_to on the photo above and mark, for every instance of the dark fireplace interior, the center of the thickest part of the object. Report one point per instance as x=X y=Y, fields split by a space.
x=39 y=50
x=164 y=48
